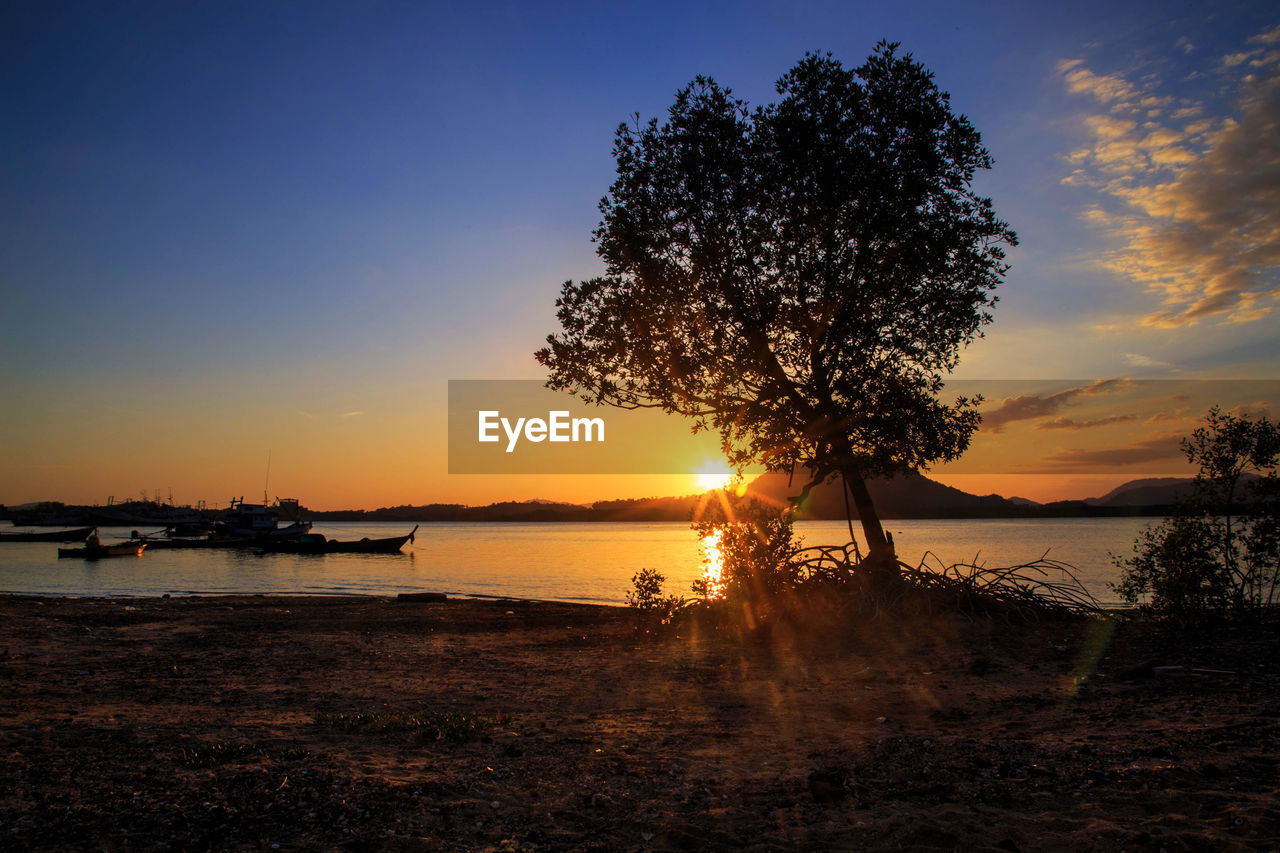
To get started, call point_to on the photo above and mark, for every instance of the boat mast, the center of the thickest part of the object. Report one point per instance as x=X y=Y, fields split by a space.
x=267 y=482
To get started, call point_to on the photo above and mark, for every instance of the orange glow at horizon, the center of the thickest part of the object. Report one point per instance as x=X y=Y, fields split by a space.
x=392 y=454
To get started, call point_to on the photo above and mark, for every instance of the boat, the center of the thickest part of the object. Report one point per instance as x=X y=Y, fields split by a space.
x=79 y=534
x=244 y=525
x=187 y=530
x=390 y=545
x=144 y=512
x=163 y=543
x=259 y=521
x=49 y=515
x=96 y=552
x=316 y=543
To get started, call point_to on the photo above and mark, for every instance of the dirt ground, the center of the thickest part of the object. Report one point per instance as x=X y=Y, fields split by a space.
x=232 y=724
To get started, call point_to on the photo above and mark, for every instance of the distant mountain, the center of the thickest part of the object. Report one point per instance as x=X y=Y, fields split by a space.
x=1152 y=491
x=905 y=496
x=1155 y=492
x=647 y=509
x=644 y=509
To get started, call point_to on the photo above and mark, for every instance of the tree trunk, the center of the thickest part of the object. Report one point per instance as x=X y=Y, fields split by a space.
x=882 y=560
x=871 y=527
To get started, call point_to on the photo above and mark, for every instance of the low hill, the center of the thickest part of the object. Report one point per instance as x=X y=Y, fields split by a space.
x=643 y=509
x=1152 y=491
x=905 y=496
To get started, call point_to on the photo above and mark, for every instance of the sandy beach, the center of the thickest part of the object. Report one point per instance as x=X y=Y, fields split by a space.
x=290 y=723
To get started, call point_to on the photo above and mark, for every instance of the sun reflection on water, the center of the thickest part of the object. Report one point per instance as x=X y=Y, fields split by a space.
x=713 y=563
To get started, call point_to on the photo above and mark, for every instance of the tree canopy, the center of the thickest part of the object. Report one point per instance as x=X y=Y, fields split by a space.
x=799 y=277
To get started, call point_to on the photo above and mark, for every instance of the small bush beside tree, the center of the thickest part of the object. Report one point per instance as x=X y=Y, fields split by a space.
x=758 y=549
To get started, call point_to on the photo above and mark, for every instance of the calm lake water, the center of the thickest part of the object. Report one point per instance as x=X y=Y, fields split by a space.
x=587 y=562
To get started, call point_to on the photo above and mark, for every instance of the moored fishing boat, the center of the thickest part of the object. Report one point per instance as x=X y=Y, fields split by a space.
x=161 y=543
x=317 y=543
x=188 y=530
x=259 y=521
x=49 y=515
x=144 y=512
x=79 y=534
x=390 y=545
x=243 y=525
x=96 y=552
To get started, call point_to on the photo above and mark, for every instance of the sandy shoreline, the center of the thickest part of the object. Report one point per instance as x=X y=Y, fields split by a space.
x=226 y=723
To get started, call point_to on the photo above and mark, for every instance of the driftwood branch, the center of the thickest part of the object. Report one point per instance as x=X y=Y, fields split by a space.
x=1025 y=591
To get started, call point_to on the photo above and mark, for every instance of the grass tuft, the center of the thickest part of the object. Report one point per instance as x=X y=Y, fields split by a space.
x=454 y=726
x=228 y=752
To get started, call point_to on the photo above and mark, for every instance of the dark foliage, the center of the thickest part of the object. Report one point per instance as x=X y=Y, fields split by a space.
x=766 y=575
x=646 y=596
x=1220 y=551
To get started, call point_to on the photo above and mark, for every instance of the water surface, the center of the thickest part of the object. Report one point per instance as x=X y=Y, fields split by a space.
x=588 y=562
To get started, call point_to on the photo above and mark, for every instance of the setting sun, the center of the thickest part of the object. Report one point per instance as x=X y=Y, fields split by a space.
x=713 y=475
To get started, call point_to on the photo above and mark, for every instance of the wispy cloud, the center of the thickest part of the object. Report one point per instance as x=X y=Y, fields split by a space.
x=1153 y=449
x=1026 y=407
x=1271 y=36
x=312 y=416
x=1260 y=409
x=1189 y=191
x=1072 y=424
x=1139 y=360
x=1108 y=88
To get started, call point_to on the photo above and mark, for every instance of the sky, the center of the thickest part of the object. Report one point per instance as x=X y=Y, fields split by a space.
x=244 y=247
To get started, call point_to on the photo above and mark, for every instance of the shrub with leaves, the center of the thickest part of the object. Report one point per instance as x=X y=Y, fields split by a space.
x=1177 y=568
x=1221 y=550
x=646 y=596
x=757 y=549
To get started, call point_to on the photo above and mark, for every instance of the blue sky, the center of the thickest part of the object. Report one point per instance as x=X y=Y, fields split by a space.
x=290 y=224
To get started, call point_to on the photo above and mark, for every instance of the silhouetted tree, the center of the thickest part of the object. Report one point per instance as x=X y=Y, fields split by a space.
x=1222 y=549
x=798 y=277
